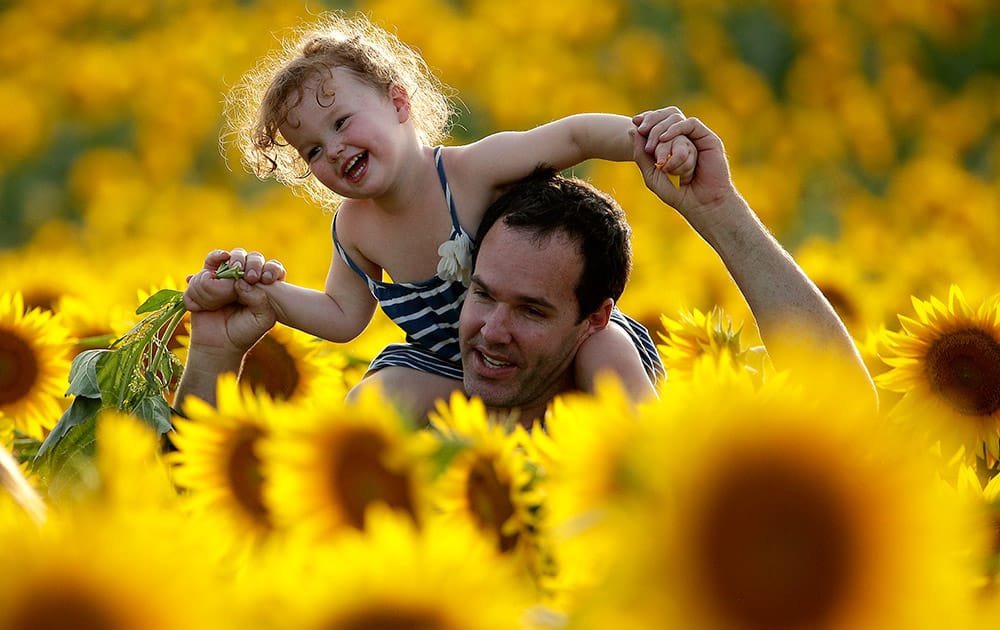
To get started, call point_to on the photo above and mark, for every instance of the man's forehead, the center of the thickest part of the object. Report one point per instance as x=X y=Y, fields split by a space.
x=516 y=261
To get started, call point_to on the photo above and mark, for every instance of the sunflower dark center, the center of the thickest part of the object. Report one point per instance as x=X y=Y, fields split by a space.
x=390 y=619
x=489 y=501
x=63 y=609
x=774 y=546
x=964 y=368
x=41 y=298
x=243 y=469
x=269 y=365
x=360 y=478
x=19 y=368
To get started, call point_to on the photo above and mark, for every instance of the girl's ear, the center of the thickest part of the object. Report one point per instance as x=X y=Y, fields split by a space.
x=400 y=101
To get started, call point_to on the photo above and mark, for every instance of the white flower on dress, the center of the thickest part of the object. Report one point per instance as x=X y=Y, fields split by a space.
x=456 y=259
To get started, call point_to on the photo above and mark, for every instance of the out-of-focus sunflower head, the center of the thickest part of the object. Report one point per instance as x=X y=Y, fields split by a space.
x=489 y=481
x=788 y=505
x=291 y=365
x=327 y=464
x=946 y=363
x=394 y=574
x=217 y=460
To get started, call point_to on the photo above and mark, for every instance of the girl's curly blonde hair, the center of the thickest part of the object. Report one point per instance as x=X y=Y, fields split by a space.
x=258 y=104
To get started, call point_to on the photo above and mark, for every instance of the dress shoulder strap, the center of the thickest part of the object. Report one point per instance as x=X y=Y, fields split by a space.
x=343 y=253
x=456 y=227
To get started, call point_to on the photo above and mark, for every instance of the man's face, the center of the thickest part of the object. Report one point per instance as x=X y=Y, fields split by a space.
x=518 y=328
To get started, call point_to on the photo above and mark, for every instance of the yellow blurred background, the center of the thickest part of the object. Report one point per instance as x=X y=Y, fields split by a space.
x=865 y=134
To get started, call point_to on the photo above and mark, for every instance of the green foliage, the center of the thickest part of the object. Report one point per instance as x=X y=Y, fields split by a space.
x=130 y=376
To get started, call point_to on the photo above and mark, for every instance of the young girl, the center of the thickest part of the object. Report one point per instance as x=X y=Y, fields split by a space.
x=350 y=115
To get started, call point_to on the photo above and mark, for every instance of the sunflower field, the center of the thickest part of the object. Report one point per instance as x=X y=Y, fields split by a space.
x=866 y=136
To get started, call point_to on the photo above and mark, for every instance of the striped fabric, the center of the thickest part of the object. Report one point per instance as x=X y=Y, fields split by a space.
x=427 y=311
x=643 y=343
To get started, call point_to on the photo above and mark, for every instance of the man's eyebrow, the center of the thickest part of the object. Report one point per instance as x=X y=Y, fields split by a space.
x=519 y=297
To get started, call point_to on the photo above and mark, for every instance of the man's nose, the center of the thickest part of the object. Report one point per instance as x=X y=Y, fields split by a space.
x=496 y=325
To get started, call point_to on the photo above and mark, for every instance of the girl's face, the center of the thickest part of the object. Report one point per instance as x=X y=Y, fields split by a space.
x=348 y=132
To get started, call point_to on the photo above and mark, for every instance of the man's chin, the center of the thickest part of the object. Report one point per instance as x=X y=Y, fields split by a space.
x=492 y=394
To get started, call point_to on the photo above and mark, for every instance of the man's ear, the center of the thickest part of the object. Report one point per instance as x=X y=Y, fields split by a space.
x=400 y=101
x=598 y=320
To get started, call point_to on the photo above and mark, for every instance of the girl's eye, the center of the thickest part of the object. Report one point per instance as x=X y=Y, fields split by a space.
x=340 y=122
x=312 y=154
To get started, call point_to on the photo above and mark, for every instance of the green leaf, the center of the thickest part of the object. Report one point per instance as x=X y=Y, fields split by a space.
x=70 y=465
x=112 y=378
x=83 y=373
x=161 y=299
x=82 y=410
x=155 y=412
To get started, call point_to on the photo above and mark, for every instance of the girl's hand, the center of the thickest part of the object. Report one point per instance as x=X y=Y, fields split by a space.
x=256 y=268
x=677 y=157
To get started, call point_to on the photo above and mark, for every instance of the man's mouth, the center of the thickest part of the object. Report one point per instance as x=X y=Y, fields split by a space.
x=356 y=166
x=493 y=363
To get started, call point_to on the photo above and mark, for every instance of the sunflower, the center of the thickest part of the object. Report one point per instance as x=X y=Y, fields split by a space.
x=326 y=465
x=946 y=362
x=43 y=276
x=92 y=569
x=33 y=366
x=785 y=506
x=291 y=365
x=133 y=474
x=694 y=334
x=856 y=289
x=89 y=322
x=490 y=482
x=394 y=574
x=586 y=448
x=217 y=460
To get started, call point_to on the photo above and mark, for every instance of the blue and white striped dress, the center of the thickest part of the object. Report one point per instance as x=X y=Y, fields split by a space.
x=428 y=313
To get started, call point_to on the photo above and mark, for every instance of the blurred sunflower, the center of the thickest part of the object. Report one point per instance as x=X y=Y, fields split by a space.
x=92 y=570
x=90 y=324
x=217 y=460
x=133 y=474
x=788 y=506
x=324 y=467
x=586 y=448
x=946 y=362
x=442 y=576
x=490 y=481
x=44 y=276
x=33 y=366
x=289 y=364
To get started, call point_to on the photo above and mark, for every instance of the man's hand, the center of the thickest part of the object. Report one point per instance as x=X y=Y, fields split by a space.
x=236 y=326
x=221 y=337
x=710 y=197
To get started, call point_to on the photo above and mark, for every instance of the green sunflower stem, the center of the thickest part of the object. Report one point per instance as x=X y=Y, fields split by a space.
x=176 y=317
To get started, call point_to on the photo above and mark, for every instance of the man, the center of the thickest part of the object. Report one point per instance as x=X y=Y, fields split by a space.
x=529 y=307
